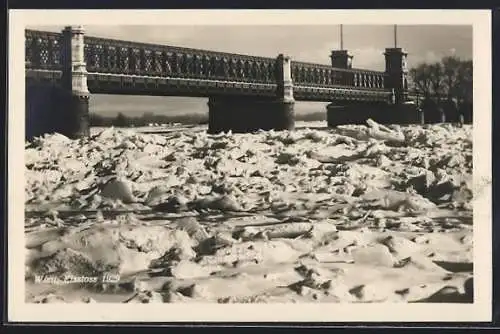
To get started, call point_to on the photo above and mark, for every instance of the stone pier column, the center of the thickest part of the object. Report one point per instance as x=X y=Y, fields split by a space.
x=467 y=110
x=421 y=116
x=74 y=121
x=442 y=115
x=285 y=99
x=243 y=114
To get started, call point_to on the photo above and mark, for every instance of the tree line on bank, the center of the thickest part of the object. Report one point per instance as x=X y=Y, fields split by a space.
x=148 y=118
x=122 y=120
x=445 y=88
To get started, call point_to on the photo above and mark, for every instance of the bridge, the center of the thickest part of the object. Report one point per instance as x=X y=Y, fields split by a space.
x=245 y=93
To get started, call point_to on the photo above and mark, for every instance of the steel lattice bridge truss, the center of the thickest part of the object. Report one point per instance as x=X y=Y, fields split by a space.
x=122 y=67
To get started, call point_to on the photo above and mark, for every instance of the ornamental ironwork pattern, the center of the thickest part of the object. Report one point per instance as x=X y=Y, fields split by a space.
x=120 y=57
x=43 y=50
x=121 y=67
x=323 y=75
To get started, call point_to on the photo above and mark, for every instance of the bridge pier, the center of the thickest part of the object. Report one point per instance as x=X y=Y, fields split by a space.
x=76 y=120
x=421 y=116
x=252 y=113
x=466 y=110
x=42 y=109
x=61 y=107
x=51 y=109
x=242 y=114
x=383 y=113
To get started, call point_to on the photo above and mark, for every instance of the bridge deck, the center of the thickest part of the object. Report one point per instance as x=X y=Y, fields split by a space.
x=119 y=84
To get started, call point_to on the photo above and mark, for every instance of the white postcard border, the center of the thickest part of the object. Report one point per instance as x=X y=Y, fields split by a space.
x=480 y=310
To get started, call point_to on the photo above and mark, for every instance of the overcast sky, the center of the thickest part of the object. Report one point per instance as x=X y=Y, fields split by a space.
x=306 y=43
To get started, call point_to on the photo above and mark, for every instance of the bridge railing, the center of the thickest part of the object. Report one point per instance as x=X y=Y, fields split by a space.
x=120 y=57
x=43 y=50
x=324 y=75
x=110 y=56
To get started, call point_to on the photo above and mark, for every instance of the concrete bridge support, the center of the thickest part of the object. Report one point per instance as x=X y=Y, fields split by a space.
x=421 y=116
x=446 y=111
x=383 y=113
x=251 y=113
x=466 y=110
x=41 y=109
x=242 y=114
x=61 y=108
x=391 y=112
x=50 y=109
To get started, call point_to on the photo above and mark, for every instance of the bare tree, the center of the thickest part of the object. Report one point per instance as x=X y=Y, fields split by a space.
x=452 y=79
x=464 y=86
x=451 y=67
x=436 y=72
x=421 y=79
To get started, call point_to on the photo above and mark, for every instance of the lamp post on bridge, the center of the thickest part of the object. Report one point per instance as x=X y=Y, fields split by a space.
x=341 y=58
